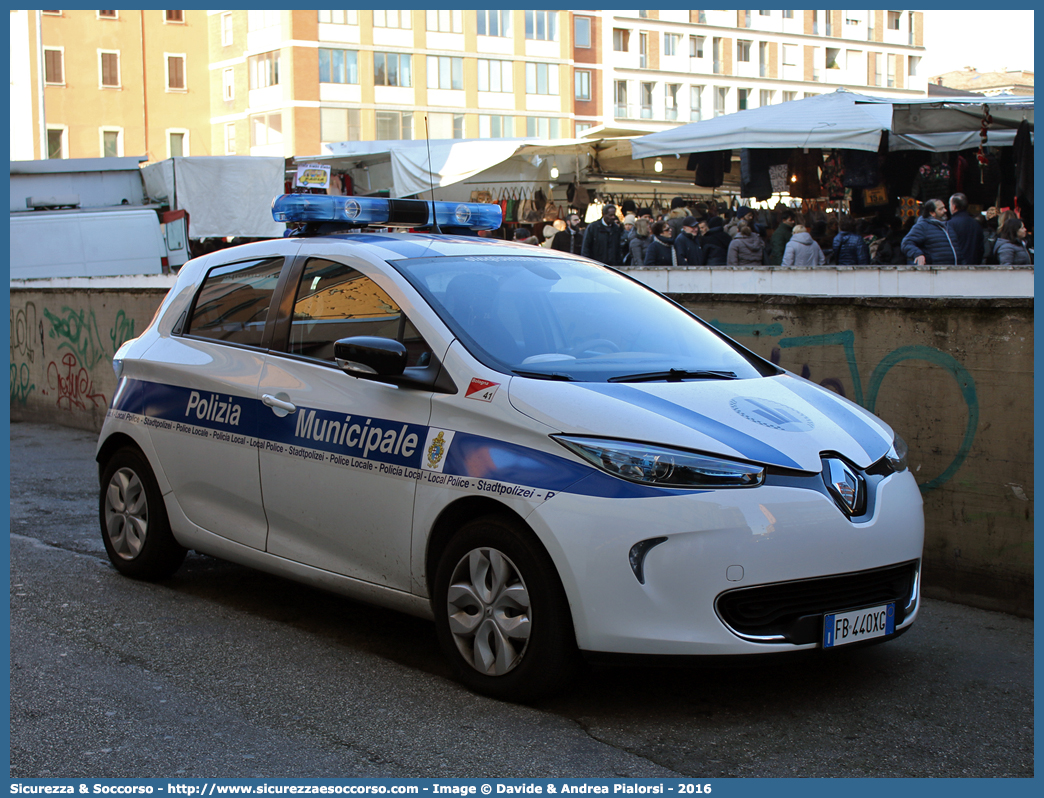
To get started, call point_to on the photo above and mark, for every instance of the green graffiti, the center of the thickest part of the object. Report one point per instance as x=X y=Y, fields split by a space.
x=122 y=330
x=78 y=331
x=747 y=330
x=846 y=340
x=964 y=382
x=21 y=387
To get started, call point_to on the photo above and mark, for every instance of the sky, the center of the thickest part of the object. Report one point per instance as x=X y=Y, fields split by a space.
x=987 y=40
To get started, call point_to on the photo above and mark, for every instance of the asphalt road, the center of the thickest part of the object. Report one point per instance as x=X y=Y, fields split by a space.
x=227 y=672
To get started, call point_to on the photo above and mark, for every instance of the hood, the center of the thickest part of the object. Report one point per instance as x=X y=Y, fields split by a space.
x=782 y=421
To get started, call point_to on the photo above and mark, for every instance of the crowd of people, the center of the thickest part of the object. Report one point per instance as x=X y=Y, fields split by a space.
x=944 y=233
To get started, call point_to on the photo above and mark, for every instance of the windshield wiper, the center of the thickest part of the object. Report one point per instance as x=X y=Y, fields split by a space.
x=544 y=375
x=675 y=375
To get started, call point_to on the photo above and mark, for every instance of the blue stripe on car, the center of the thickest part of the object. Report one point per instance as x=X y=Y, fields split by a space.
x=748 y=446
x=863 y=432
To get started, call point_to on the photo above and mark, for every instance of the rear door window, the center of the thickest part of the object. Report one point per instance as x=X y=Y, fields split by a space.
x=233 y=303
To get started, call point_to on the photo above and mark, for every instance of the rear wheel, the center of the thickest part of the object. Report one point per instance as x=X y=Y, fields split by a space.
x=502 y=615
x=134 y=522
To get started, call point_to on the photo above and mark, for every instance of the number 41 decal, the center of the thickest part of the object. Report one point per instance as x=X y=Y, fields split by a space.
x=483 y=390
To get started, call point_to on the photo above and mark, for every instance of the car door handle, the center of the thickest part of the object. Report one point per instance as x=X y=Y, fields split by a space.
x=280 y=407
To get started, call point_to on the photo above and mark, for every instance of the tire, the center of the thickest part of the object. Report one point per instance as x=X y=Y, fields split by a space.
x=134 y=524
x=501 y=614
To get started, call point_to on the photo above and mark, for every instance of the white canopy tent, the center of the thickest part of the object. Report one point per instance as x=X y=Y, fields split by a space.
x=935 y=115
x=838 y=120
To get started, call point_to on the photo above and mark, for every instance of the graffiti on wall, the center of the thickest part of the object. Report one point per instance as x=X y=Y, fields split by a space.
x=72 y=384
x=24 y=331
x=845 y=339
x=122 y=330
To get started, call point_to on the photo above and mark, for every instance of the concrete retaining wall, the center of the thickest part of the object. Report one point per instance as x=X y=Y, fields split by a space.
x=953 y=376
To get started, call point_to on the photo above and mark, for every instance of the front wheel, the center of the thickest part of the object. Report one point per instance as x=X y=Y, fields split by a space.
x=501 y=613
x=134 y=522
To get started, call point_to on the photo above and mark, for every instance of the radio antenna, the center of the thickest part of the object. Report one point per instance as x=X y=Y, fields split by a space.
x=431 y=177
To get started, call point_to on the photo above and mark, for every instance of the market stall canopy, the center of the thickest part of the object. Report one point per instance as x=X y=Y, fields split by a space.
x=953 y=114
x=411 y=167
x=838 y=120
x=225 y=195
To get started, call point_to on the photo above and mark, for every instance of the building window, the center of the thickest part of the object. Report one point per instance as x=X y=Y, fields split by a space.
x=695 y=103
x=671 y=43
x=746 y=19
x=55 y=142
x=392 y=69
x=110 y=69
x=582 y=84
x=790 y=54
x=891 y=70
x=54 y=67
x=56 y=13
x=743 y=50
x=338 y=66
x=643 y=14
x=763 y=59
x=177 y=143
x=495 y=75
x=716 y=48
x=879 y=68
x=446 y=126
x=494 y=23
x=391 y=19
x=893 y=19
x=226 y=29
x=670 y=99
x=116 y=15
x=915 y=63
x=264 y=70
x=721 y=99
x=111 y=144
x=742 y=95
x=764 y=13
x=259 y=20
x=620 y=37
x=541 y=127
x=228 y=84
x=765 y=98
x=542 y=25
x=445 y=21
x=445 y=72
x=620 y=99
x=647 y=99
x=851 y=21
x=789 y=96
x=496 y=127
x=788 y=15
x=393 y=125
x=173 y=16
x=701 y=17
x=696 y=46
x=643 y=50
x=339 y=17
x=266 y=129
x=541 y=78
x=582 y=32
x=340 y=124
x=582 y=126
x=176 y=73
x=230 y=138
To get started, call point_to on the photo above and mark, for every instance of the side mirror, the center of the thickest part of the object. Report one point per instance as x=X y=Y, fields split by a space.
x=369 y=356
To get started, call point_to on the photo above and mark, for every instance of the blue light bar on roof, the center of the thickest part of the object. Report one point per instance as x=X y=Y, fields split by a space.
x=392 y=212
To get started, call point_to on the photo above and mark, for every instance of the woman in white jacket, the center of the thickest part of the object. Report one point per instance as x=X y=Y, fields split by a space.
x=801 y=250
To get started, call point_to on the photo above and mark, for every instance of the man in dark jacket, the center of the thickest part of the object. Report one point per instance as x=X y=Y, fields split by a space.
x=602 y=239
x=571 y=239
x=688 y=243
x=781 y=236
x=965 y=232
x=716 y=243
x=928 y=242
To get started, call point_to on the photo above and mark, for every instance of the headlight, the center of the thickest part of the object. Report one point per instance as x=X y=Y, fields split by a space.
x=896 y=456
x=662 y=466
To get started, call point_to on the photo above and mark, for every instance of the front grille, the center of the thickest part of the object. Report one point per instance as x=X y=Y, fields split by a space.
x=793 y=610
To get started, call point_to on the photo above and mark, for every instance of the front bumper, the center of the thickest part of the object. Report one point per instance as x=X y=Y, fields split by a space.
x=719 y=545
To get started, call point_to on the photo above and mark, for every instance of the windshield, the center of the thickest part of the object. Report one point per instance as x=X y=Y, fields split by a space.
x=557 y=318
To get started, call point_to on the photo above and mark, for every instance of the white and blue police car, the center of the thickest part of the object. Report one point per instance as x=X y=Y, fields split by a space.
x=540 y=453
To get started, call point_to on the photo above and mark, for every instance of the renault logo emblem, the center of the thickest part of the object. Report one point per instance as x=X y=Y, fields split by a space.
x=845 y=485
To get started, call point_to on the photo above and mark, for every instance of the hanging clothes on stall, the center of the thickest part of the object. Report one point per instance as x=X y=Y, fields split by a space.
x=804 y=173
x=833 y=177
x=862 y=169
x=1023 y=152
x=710 y=167
x=933 y=181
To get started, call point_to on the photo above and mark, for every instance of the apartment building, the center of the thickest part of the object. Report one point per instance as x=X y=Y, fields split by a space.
x=287 y=82
x=113 y=83
x=656 y=69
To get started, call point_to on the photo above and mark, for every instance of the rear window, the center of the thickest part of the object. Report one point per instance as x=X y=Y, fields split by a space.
x=232 y=304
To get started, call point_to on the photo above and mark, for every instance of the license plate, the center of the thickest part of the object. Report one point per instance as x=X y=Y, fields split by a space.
x=840 y=628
